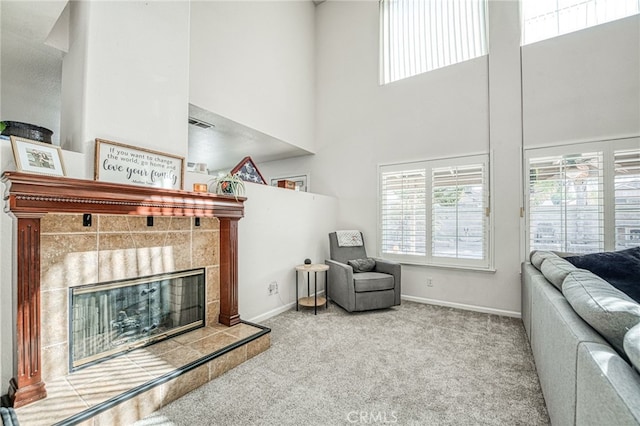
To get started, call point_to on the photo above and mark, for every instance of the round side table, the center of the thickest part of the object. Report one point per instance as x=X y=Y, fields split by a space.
x=314 y=301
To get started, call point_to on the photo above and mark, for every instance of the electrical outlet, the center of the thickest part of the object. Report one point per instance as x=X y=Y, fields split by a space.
x=273 y=288
x=429 y=282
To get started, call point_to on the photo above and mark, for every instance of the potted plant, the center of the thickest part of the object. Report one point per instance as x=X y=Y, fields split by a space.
x=227 y=185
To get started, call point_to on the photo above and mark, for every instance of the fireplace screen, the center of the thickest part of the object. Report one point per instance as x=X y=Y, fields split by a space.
x=113 y=317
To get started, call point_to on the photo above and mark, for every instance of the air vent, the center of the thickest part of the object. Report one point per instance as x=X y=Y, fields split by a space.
x=200 y=123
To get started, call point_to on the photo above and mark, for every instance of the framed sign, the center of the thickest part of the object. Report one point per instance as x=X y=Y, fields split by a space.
x=119 y=163
x=37 y=157
x=248 y=172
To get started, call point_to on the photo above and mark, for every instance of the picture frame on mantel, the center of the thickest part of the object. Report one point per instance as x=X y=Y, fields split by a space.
x=37 y=157
x=247 y=170
x=130 y=165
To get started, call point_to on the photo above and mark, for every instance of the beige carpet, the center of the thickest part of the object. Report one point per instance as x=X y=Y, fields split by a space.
x=411 y=365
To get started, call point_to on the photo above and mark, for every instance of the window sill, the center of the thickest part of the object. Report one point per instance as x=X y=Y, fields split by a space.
x=454 y=267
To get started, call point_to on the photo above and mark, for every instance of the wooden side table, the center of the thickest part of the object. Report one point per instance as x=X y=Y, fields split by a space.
x=314 y=301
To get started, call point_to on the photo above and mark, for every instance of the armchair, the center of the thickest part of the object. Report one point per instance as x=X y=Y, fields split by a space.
x=361 y=291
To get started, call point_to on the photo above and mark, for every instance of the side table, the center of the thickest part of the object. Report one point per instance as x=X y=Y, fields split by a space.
x=314 y=301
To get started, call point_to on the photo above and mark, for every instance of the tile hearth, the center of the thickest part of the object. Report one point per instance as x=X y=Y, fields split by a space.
x=133 y=385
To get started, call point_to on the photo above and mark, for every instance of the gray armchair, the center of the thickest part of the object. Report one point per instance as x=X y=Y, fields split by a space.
x=361 y=291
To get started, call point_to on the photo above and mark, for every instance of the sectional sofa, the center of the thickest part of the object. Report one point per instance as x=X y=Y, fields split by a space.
x=581 y=331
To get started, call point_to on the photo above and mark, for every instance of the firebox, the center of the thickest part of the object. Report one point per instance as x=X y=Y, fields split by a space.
x=109 y=318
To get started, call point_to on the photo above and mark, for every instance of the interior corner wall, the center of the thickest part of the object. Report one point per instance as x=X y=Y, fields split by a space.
x=253 y=62
x=281 y=228
x=583 y=86
x=133 y=61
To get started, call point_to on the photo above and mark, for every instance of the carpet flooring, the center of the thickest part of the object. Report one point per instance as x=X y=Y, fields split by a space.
x=414 y=364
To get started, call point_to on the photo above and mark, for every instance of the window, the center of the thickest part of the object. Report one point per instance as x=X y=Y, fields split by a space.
x=417 y=36
x=584 y=198
x=543 y=19
x=436 y=212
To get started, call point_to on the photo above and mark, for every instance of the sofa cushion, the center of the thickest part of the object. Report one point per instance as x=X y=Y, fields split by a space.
x=631 y=345
x=555 y=270
x=362 y=265
x=538 y=256
x=372 y=281
x=621 y=269
x=608 y=310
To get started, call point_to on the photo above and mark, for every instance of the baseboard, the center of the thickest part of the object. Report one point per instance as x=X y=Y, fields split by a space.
x=273 y=313
x=475 y=308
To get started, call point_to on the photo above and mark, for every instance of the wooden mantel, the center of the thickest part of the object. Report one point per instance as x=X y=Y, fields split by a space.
x=29 y=197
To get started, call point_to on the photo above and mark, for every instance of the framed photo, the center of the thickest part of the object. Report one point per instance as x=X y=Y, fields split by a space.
x=301 y=182
x=248 y=172
x=37 y=157
x=119 y=163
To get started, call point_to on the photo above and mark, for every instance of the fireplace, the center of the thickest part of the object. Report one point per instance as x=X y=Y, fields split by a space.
x=107 y=224
x=109 y=318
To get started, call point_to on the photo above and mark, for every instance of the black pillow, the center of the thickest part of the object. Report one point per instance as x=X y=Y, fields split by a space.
x=621 y=269
x=362 y=265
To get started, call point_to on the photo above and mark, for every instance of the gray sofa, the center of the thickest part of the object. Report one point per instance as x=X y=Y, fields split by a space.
x=585 y=378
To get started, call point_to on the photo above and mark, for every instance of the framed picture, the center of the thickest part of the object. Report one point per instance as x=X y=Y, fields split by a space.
x=37 y=157
x=119 y=163
x=248 y=172
x=301 y=182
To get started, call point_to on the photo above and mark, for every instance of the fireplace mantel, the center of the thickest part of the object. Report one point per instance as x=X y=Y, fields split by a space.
x=30 y=196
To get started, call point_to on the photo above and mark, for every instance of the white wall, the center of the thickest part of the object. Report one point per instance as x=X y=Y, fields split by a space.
x=253 y=62
x=584 y=85
x=579 y=86
x=132 y=59
x=31 y=71
x=280 y=229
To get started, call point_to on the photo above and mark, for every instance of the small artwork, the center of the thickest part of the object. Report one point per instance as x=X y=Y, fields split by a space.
x=37 y=157
x=297 y=182
x=248 y=172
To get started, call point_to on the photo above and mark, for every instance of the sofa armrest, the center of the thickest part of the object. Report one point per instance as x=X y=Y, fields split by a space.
x=392 y=268
x=340 y=284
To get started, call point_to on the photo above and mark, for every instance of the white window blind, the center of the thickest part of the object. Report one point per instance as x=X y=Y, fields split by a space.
x=566 y=210
x=584 y=198
x=422 y=35
x=403 y=211
x=436 y=212
x=627 y=198
x=458 y=200
x=543 y=19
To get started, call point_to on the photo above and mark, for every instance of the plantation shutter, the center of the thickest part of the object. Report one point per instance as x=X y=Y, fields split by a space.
x=459 y=198
x=566 y=202
x=403 y=211
x=627 y=198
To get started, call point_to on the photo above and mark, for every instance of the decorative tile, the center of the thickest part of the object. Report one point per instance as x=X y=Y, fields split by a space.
x=54 y=313
x=242 y=330
x=213 y=313
x=208 y=224
x=66 y=403
x=185 y=383
x=206 y=251
x=213 y=283
x=258 y=346
x=195 y=335
x=213 y=343
x=67 y=260
x=132 y=410
x=181 y=356
x=155 y=365
x=54 y=361
x=226 y=362
x=53 y=223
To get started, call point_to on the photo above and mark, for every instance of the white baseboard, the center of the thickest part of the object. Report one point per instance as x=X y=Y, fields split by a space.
x=272 y=313
x=475 y=308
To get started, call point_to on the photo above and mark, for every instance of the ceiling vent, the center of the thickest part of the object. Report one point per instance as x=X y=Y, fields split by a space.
x=200 y=123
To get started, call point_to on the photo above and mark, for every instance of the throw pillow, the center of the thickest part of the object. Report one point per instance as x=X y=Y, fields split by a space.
x=608 y=310
x=362 y=265
x=621 y=269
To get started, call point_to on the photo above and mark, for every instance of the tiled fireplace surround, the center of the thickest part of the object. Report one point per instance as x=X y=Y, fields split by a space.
x=121 y=246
